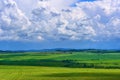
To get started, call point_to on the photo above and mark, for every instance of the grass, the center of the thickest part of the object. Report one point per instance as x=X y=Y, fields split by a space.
x=60 y=59
x=60 y=66
x=56 y=73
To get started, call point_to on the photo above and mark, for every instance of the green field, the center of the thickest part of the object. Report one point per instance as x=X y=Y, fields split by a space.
x=60 y=66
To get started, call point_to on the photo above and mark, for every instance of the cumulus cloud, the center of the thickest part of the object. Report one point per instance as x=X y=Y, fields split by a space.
x=98 y=20
x=105 y=17
x=12 y=21
x=14 y=25
x=58 y=20
x=67 y=24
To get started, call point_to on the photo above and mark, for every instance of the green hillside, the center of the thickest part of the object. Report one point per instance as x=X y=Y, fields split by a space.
x=59 y=66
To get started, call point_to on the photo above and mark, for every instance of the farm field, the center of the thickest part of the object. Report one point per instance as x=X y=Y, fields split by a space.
x=59 y=66
x=56 y=73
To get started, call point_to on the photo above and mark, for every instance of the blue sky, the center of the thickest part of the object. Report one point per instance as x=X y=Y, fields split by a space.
x=14 y=45
x=47 y=24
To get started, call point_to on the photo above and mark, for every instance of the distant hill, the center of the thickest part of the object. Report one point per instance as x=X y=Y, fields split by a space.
x=61 y=50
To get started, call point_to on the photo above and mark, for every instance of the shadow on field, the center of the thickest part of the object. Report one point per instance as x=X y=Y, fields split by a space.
x=47 y=63
x=81 y=75
x=54 y=63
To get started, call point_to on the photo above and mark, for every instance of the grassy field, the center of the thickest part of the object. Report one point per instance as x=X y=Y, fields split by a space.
x=60 y=66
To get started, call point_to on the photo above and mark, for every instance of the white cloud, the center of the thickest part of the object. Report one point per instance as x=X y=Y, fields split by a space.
x=61 y=4
x=70 y=24
x=14 y=25
x=27 y=5
x=57 y=20
x=104 y=15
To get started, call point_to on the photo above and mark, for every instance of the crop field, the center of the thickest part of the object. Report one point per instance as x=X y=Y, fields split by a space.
x=60 y=65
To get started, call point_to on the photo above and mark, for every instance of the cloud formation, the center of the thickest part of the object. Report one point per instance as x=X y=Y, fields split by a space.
x=66 y=24
x=14 y=24
x=97 y=20
x=105 y=17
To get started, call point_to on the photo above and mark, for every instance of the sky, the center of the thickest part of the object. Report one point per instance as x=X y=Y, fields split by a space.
x=48 y=24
